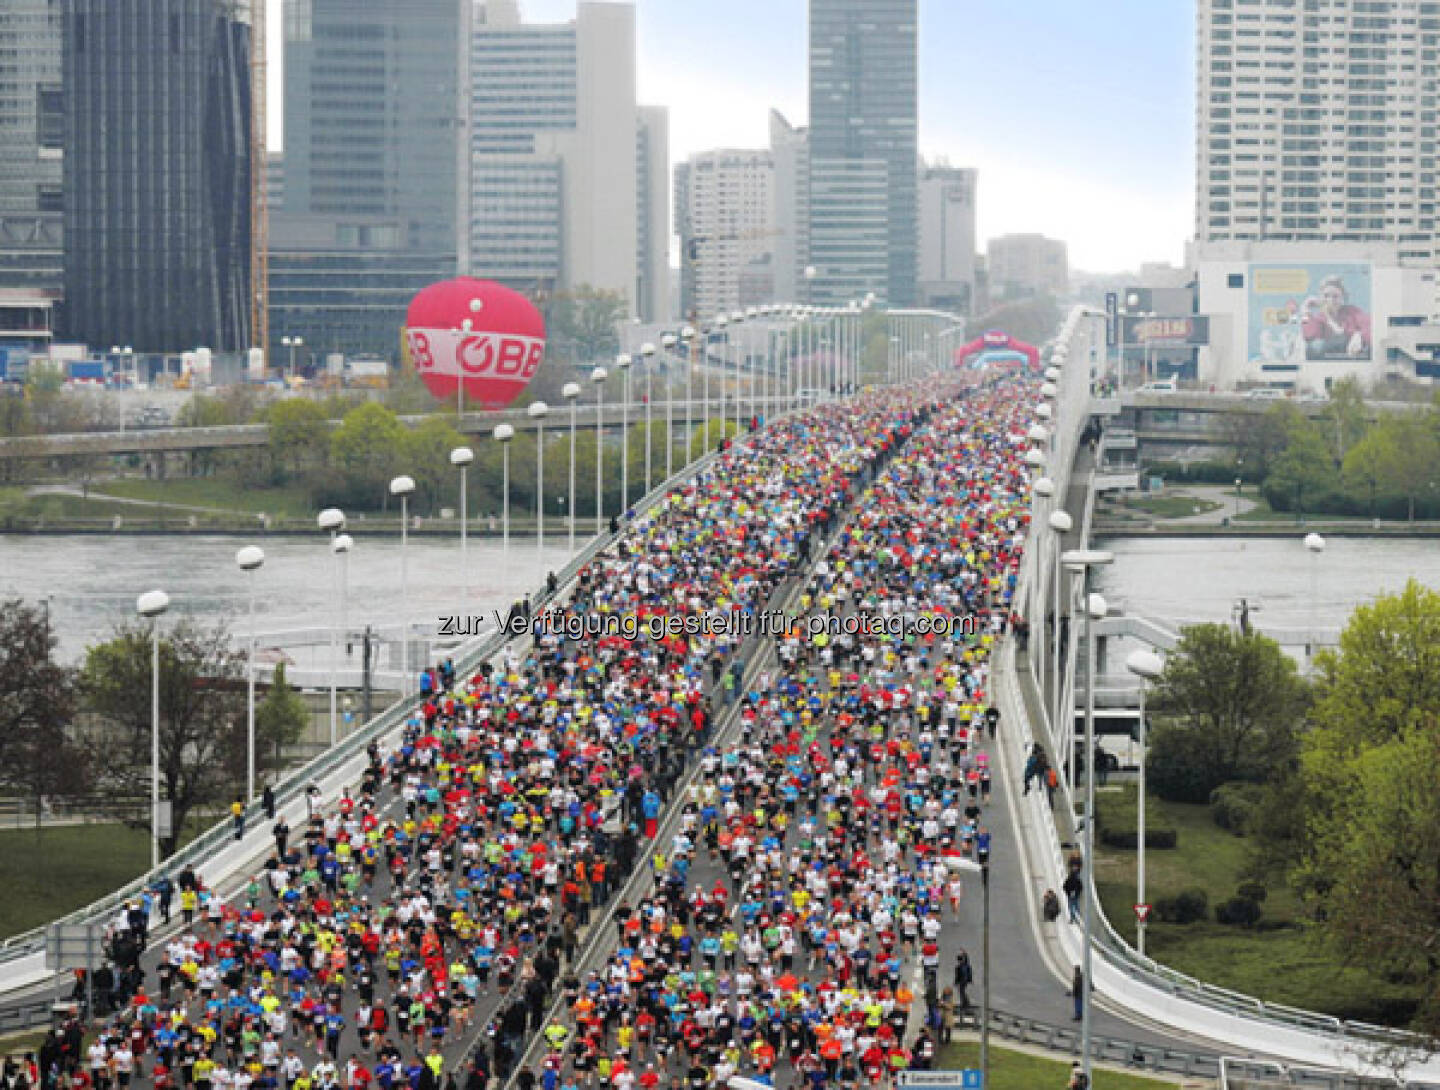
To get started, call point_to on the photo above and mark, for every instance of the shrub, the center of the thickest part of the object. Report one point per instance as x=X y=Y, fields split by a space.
x=1255 y=891
x=1238 y=912
x=1233 y=806
x=1175 y=767
x=1128 y=839
x=1187 y=906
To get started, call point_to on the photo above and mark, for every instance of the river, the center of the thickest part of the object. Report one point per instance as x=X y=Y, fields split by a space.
x=91 y=581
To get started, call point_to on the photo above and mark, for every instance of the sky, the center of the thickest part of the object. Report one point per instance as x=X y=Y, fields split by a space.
x=1079 y=117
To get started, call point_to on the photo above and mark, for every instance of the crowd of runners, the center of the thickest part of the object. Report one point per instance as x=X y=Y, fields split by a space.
x=419 y=932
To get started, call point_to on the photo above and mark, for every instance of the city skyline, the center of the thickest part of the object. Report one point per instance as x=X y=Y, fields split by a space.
x=1104 y=156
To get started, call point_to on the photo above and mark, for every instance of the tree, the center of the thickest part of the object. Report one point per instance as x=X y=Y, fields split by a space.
x=299 y=436
x=1345 y=419
x=366 y=451
x=580 y=326
x=280 y=720
x=1369 y=862
x=1408 y=456
x=1362 y=469
x=1258 y=438
x=1303 y=474
x=1234 y=701
x=202 y=714
x=427 y=454
x=37 y=704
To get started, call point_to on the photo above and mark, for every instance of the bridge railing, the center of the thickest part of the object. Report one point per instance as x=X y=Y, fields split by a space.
x=346 y=755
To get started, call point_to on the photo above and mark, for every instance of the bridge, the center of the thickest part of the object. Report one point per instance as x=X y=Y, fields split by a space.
x=238 y=436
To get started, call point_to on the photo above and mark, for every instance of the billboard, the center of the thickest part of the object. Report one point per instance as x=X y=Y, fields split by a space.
x=1181 y=329
x=1312 y=311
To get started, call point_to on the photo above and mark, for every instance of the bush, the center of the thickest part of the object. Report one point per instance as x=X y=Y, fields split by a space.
x=1187 y=906
x=1255 y=891
x=1128 y=839
x=1176 y=768
x=1233 y=806
x=1206 y=472
x=1238 y=912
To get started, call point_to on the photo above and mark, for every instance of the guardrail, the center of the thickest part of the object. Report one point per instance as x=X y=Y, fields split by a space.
x=293 y=787
x=1117 y=956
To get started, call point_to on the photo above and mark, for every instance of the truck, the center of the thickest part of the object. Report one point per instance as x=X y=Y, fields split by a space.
x=367 y=372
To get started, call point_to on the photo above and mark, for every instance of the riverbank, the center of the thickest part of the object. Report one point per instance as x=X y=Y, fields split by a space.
x=1217 y=511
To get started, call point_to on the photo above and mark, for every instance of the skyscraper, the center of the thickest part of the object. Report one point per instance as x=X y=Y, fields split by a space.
x=790 y=151
x=727 y=220
x=1316 y=122
x=947 y=237
x=863 y=131
x=157 y=174
x=567 y=171
x=375 y=109
x=32 y=138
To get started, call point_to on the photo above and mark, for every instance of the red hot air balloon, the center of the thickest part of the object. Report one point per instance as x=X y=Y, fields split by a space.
x=477 y=332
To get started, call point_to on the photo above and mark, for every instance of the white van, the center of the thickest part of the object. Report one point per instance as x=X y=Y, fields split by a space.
x=1265 y=393
x=1161 y=386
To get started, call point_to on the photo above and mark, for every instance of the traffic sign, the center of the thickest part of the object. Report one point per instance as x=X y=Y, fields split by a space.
x=1142 y=913
x=968 y=1078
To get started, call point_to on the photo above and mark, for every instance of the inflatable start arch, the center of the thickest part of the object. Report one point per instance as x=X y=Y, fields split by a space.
x=996 y=347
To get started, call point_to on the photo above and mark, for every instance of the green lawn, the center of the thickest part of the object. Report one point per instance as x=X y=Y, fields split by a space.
x=14 y=503
x=1280 y=961
x=50 y=872
x=219 y=493
x=1012 y=1070
x=1169 y=506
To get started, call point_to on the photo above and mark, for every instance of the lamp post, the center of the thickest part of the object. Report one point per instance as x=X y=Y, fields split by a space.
x=1060 y=524
x=537 y=412
x=1314 y=545
x=1237 y=497
x=503 y=434
x=332 y=521
x=737 y=318
x=1145 y=665
x=341 y=546
x=598 y=377
x=1085 y=561
x=721 y=321
x=461 y=457
x=1044 y=489
x=249 y=560
x=402 y=487
x=152 y=604
x=623 y=362
x=292 y=343
x=691 y=337
x=668 y=343
x=571 y=393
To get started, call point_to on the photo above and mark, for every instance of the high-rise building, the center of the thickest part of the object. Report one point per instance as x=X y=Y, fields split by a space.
x=1316 y=122
x=947 y=237
x=375 y=105
x=1023 y=265
x=726 y=228
x=157 y=174
x=863 y=233
x=652 y=214
x=567 y=183
x=790 y=152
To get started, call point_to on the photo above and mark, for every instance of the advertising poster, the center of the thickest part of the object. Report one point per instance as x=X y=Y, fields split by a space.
x=1306 y=312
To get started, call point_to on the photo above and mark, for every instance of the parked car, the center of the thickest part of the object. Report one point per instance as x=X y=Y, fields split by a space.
x=1265 y=393
x=1161 y=386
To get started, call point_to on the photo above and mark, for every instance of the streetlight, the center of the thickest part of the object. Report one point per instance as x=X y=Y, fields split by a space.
x=1237 y=497
x=810 y=273
x=1315 y=545
x=737 y=319
x=598 y=377
x=537 y=412
x=461 y=457
x=402 y=487
x=292 y=343
x=332 y=521
x=1035 y=459
x=623 y=362
x=152 y=604
x=1038 y=434
x=249 y=560
x=341 y=547
x=1060 y=524
x=503 y=434
x=647 y=350
x=1145 y=665
x=571 y=393
x=1086 y=561
x=721 y=321
x=1044 y=488
x=983 y=868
